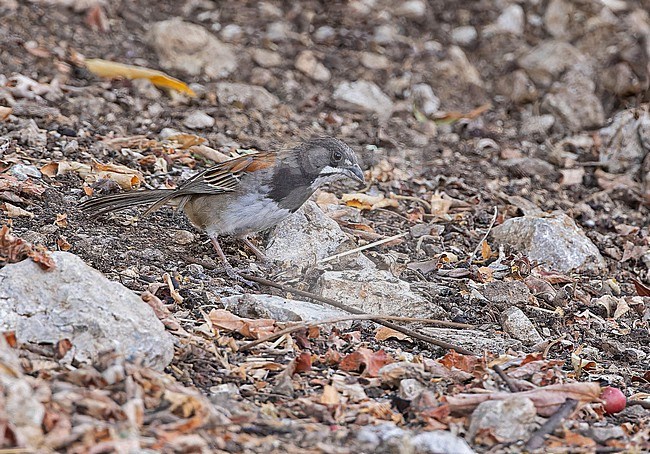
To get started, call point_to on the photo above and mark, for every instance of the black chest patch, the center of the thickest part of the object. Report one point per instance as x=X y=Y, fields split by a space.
x=290 y=189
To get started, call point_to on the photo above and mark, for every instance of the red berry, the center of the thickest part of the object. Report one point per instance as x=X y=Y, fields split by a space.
x=614 y=399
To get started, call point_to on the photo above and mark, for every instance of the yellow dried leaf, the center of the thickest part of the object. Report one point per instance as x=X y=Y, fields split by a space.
x=110 y=69
x=61 y=220
x=439 y=206
x=5 y=112
x=186 y=140
x=51 y=169
x=368 y=202
x=486 y=250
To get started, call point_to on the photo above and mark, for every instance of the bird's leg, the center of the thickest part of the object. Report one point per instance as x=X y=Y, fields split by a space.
x=259 y=254
x=230 y=271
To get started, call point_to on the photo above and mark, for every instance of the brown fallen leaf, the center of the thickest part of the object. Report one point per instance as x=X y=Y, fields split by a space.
x=61 y=220
x=303 y=362
x=368 y=202
x=113 y=70
x=125 y=177
x=365 y=360
x=14 y=249
x=5 y=112
x=222 y=319
x=439 y=205
x=547 y=399
x=450 y=117
x=13 y=211
x=641 y=290
x=383 y=333
x=27 y=187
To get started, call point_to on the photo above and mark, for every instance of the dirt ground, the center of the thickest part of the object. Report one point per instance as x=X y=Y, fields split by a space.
x=464 y=156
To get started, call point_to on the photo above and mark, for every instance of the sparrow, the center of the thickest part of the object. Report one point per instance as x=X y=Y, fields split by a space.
x=247 y=194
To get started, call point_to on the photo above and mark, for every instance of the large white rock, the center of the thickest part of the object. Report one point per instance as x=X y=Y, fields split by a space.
x=76 y=302
x=191 y=49
x=363 y=96
x=553 y=240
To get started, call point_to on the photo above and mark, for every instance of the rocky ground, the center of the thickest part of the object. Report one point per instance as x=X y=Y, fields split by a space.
x=507 y=152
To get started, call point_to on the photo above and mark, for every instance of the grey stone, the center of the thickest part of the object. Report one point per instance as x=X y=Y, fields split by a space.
x=506 y=293
x=440 y=442
x=308 y=64
x=231 y=33
x=574 y=103
x=474 y=340
x=386 y=34
x=374 y=61
x=376 y=292
x=281 y=309
x=557 y=18
x=518 y=87
x=553 y=240
x=519 y=326
x=548 y=60
x=266 y=58
x=363 y=96
x=626 y=141
x=529 y=167
x=412 y=9
x=602 y=434
x=537 y=125
x=305 y=237
x=23 y=172
x=191 y=49
x=324 y=34
x=512 y=20
x=248 y=95
x=279 y=32
x=465 y=35
x=381 y=436
x=410 y=388
x=76 y=302
x=424 y=99
x=198 y=120
x=508 y=420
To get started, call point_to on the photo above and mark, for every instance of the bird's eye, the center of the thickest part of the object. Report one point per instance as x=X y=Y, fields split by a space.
x=337 y=156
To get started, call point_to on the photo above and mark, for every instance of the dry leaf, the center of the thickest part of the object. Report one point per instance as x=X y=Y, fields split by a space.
x=62 y=244
x=384 y=333
x=125 y=177
x=365 y=360
x=5 y=112
x=61 y=220
x=572 y=176
x=222 y=319
x=368 y=202
x=641 y=290
x=439 y=206
x=330 y=396
x=486 y=250
x=303 y=362
x=14 y=249
x=450 y=117
x=109 y=69
x=15 y=212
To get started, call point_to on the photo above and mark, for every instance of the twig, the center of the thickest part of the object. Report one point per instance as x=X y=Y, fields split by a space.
x=644 y=403
x=363 y=248
x=344 y=307
x=536 y=441
x=397 y=318
x=426 y=204
x=511 y=385
x=480 y=243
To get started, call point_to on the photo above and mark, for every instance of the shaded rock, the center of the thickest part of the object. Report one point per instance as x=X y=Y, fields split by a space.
x=22 y=172
x=198 y=120
x=529 y=167
x=506 y=421
x=191 y=49
x=281 y=309
x=621 y=80
x=76 y=302
x=553 y=240
x=440 y=441
x=32 y=136
x=557 y=18
x=548 y=60
x=507 y=293
x=474 y=340
x=374 y=61
x=384 y=437
x=376 y=292
x=518 y=87
x=305 y=237
x=537 y=125
x=519 y=326
x=465 y=35
x=279 y=31
x=424 y=99
x=626 y=141
x=324 y=34
x=574 y=102
x=231 y=33
x=363 y=96
x=266 y=58
x=308 y=64
x=248 y=95
x=409 y=388
x=386 y=34
x=457 y=65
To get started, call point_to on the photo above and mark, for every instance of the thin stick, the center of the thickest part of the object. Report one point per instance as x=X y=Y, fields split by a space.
x=536 y=441
x=352 y=310
x=363 y=248
x=396 y=318
x=511 y=385
x=480 y=243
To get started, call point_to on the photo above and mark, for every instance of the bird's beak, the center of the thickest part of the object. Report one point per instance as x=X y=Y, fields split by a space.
x=355 y=172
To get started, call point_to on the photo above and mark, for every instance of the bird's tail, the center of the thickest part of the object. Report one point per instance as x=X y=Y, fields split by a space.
x=106 y=204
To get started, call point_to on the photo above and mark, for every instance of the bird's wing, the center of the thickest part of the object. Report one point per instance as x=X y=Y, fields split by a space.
x=219 y=179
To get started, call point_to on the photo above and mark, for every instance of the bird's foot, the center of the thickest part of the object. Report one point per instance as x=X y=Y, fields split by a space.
x=261 y=257
x=236 y=275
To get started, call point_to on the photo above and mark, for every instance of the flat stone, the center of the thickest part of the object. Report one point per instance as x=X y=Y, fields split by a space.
x=281 y=309
x=628 y=142
x=507 y=293
x=548 y=60
x=537 y=125
x=412 y=9
x=76 y=302
x=465 y=35
x=554 y=240
x=266 y=58
x=519 y=326
x=376 y=292
x=440 y=441
x=191 y=49
x=248 y=95
x=374 y=61
x=198 y=120
x=424 y=99
x=474 y=340
x=363 y=96
x=512 y=20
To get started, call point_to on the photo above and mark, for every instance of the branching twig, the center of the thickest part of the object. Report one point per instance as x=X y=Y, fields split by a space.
x=511 y=385
x=396 y=318
x=480 y=243
x=536 y=441
x=344 y=307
